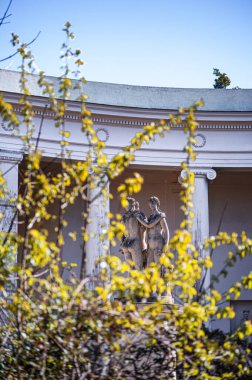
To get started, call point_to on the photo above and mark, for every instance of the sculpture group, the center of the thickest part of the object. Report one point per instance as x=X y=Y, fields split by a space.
x=146 y=237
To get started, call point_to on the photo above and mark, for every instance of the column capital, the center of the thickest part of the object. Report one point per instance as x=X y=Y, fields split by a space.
x=207 y=173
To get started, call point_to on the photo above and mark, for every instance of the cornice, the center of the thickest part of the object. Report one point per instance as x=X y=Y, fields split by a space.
x=202 y=126
x=49 y=114
x=11 y=156
x=138 y=122
x=127 y=111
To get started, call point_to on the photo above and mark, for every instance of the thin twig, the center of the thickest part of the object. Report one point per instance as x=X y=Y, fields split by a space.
x=40 y=127
x=4 y=18
x=5 y=13
x=77 y=290
x=25 y=190
x=13 y=55
x=12 y=167
x=211 y=252
x=37 y=275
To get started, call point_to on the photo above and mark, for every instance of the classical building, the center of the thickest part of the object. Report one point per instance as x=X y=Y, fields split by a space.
x=223 y=169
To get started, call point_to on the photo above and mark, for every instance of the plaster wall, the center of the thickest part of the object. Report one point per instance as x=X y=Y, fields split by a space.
x=233 y=190
x=72 y=251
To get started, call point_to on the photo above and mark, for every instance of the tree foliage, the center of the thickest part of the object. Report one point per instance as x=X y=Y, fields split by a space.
x=56 y=329
x=222 y=80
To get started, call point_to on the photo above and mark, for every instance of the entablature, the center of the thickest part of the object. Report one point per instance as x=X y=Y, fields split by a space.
x=118 y=116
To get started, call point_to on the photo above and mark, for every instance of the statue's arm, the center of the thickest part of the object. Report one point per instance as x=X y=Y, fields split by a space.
x=152 y=224
x=146 y=224
x=165 y=229
x=143 y=238
x=142 y=221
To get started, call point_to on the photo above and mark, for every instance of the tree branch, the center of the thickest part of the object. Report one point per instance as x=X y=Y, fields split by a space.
x=5 y=13
x=13 y=55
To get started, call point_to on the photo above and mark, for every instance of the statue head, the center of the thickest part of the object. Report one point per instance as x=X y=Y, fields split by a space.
x=154 y=203
x=131 y=204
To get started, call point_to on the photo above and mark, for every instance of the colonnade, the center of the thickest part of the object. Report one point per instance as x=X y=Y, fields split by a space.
x=98 y=206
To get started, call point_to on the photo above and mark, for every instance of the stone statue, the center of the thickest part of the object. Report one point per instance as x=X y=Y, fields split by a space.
x=157 y=231
x=138 y=227
x=145 y=238
x=132 y=244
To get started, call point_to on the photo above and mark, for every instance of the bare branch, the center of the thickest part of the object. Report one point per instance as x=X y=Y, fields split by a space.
x=2 y=18
x=5 y=14
x=212 y=250
x=13 y=55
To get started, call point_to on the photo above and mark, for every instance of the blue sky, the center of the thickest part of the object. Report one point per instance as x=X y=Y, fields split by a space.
x=146 y=42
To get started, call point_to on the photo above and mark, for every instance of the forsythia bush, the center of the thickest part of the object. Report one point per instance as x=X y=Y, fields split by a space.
x=53 y=329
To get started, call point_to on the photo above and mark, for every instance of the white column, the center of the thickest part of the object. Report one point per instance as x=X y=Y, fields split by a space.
x=9 y=163
x=98 y=223
x=200 y=228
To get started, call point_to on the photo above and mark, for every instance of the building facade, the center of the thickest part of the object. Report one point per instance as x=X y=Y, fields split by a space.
x=223 y=168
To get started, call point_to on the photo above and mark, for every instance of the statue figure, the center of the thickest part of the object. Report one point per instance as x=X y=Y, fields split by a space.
x=132 y=243
x=141 y=215
x=157 y=231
